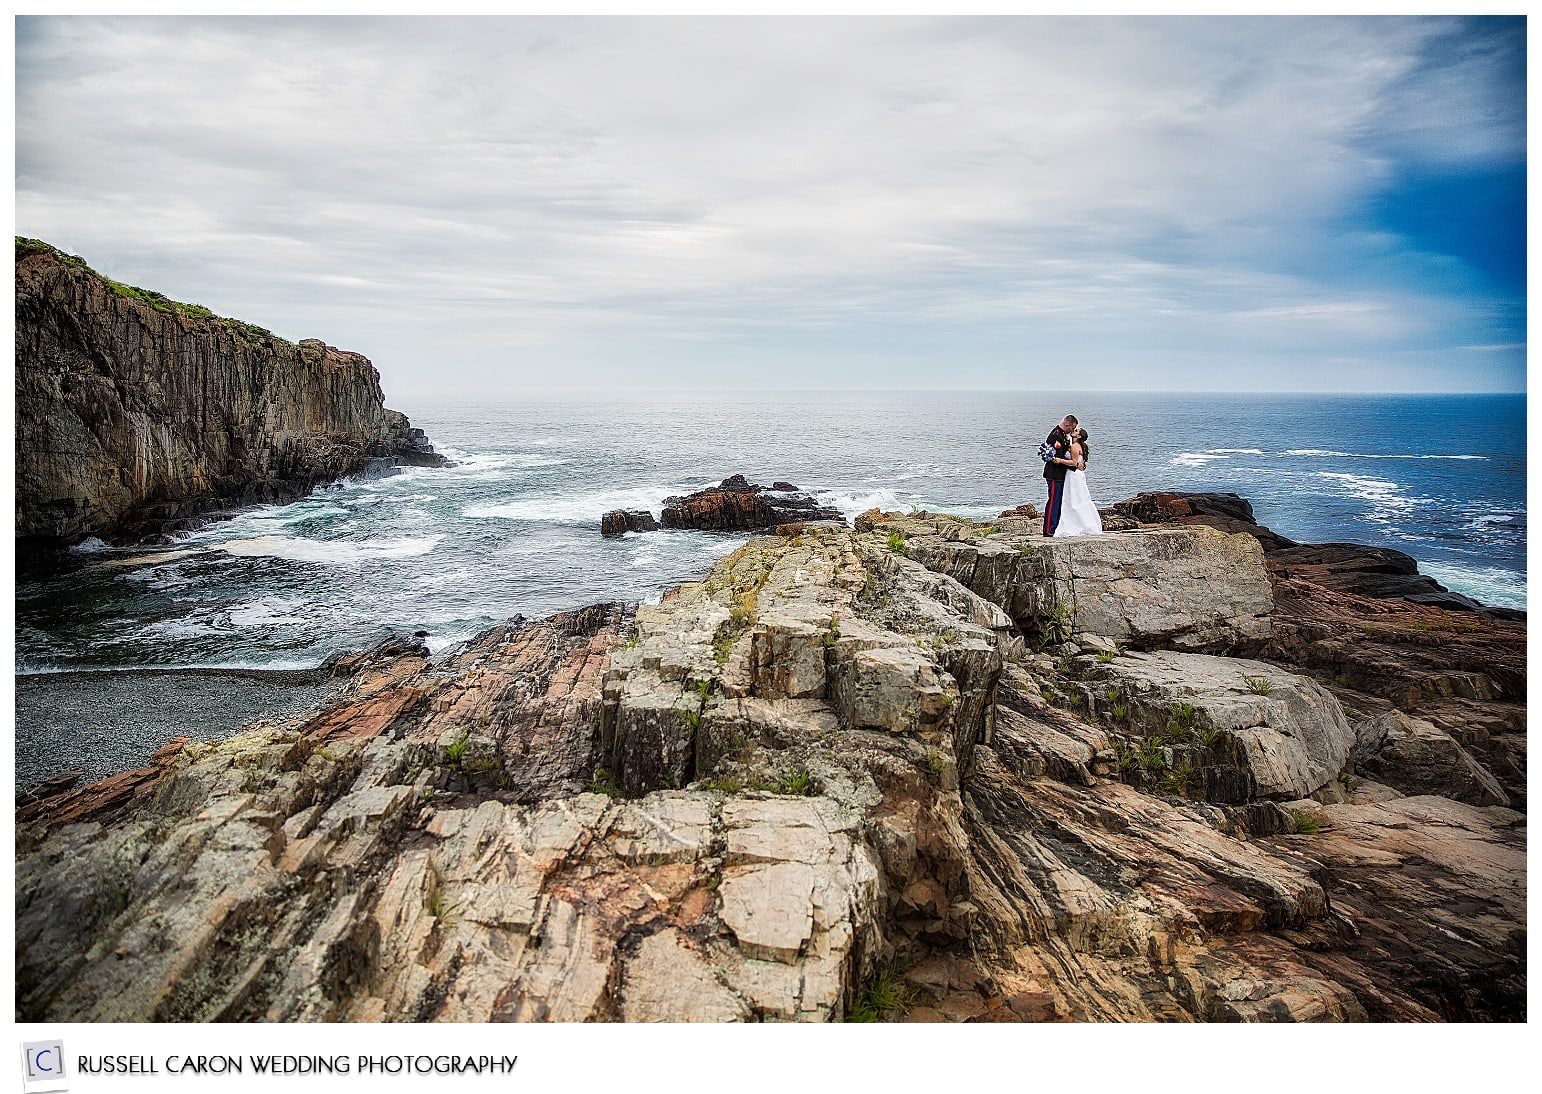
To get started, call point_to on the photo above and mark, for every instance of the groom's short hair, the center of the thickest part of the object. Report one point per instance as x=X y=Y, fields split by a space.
x=1072 y=419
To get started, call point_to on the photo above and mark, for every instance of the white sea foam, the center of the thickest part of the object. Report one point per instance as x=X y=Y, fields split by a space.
x=1382 y=492
x=331 y=552
x=1235 y=451
x=1372 y=455
x=266 y=611
x=1495 y=518
x=1486 y=584
x=155 y=559
x=1387 y=502
x=487 y=465
x=279 y=523
x=89 y=546
x=270 y=519
x=42 y=669
x=852 y=505
x=644 y=560
x=160 y=577
x=576 y=508
x=1195 y=459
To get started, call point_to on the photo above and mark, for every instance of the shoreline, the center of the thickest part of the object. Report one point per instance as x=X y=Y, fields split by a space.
x=106 y=721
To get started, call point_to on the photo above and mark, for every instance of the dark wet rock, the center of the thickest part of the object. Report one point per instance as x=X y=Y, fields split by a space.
x=737 y=505
x=620 y=521
x=56 y=784
x=411 y=446
x=1376 y=572
x=1227 y=512
x=388 y=649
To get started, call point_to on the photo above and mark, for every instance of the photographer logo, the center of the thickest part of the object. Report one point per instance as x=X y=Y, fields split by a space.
x=43 y=1066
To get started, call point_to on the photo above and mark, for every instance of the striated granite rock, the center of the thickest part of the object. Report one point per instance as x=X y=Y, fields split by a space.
x=134 y=412
x=1463 y=673
x=841 y=759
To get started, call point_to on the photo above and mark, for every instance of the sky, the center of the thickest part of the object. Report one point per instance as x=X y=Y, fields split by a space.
x=500 y=207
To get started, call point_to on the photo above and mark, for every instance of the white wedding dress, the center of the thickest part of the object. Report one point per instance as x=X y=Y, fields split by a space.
x=1078 y=516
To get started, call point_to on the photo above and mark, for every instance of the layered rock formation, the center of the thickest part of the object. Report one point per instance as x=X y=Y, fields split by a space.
x=134 y=411
x=924 y=757
x=734 y=505
x=1346 y=567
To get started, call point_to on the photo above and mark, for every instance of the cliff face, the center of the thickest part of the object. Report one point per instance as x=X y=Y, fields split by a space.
x=133 y=410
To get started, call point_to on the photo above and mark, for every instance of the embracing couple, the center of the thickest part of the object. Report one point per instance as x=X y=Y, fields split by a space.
x=1070 y=511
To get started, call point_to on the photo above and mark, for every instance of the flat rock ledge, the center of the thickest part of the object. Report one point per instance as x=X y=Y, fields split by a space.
x=962 y=762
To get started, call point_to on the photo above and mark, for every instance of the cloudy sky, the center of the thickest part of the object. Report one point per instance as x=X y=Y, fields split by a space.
x=527 y=204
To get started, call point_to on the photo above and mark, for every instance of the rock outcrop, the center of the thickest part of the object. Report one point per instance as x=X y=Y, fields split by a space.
x=620 y=521
x=737 y=505
x=1145 y=588
x=134 y=412
x=1344 y=567
x=850 y=773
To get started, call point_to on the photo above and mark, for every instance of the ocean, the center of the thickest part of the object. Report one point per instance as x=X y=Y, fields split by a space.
x=513 y=529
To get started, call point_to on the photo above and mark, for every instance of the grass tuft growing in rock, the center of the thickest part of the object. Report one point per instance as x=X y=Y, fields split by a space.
x=1176 y=781
x=1306 y=824
x=797 y=782
x=605 y=783
x=887 y=996
x=1259 y=685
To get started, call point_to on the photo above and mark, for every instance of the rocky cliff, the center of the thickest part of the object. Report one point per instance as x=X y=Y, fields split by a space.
x=923 y=769
x=133 y=410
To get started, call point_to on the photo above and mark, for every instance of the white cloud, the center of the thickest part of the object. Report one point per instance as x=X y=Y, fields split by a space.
x=425 y=190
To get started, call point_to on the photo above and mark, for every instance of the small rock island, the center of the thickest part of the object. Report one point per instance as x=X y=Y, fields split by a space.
x=734 y=505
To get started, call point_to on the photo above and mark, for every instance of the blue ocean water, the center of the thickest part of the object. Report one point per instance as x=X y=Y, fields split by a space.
x=514 y=529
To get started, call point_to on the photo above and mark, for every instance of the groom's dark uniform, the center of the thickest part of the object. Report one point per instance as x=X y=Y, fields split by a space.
x=1054 y=478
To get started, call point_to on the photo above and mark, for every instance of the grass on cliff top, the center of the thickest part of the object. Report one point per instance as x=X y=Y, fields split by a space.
x=26 y=247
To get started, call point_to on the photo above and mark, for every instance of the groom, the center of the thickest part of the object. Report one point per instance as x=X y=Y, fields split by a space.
x=1055 y=467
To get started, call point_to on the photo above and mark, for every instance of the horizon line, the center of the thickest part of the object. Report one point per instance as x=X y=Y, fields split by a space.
x=695 y=390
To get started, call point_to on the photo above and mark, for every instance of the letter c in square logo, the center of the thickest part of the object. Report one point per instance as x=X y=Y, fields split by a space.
x=43 y=1065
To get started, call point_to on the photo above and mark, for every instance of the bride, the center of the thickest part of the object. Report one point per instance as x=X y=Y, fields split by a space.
x=1078 y=515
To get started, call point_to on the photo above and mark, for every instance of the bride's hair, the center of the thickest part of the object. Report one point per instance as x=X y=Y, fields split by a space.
x=1081 y=439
